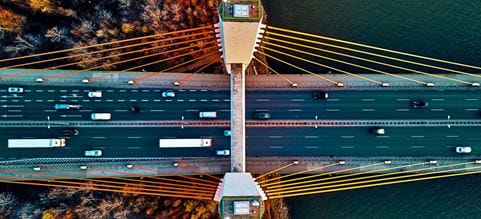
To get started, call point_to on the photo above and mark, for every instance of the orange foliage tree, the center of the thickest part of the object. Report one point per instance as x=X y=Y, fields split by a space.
x=11 y=21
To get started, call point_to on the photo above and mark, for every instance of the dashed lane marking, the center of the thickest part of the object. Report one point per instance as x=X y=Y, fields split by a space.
x=347 y=147
x=297 y=100
x=156 y=100
x=471 y=99
x=133 y=100
x=215 y=100
x=472 y=109
x=295 y=110
x=156 y=110
x=383 y=147
x=437 y=110
x=262 y=100
x=144 y=100
x=417 y=136
x=311 y=136
x=452 y=136
x=368 y=110
x=261 y=110
x=180 y=100
x=110 y=100
x=203 y=100
x=311 y=147
x=368 y=100
x=402 y=99
x=225 y=110
x=437 y=99
x=50 y=91
x=136 y=137
x=191 y=110
x=120 y=110
x=347 y=136
x=333 y=110
x=275 y=136
x=99 y=137
x=134 y=148
x=192 y=100
x=276 y=147
x=333 y=100
x=417 y=146
x=402 y=110
x=122 y=91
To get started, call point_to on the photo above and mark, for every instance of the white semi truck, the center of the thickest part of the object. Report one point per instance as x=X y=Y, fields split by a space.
x=36 y=143
x=185 y=142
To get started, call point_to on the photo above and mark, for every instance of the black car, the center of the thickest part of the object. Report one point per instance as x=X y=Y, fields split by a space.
x=262 y=115
x=70 y=132
x=134 y=109
x=419 y=104
x=320 y=95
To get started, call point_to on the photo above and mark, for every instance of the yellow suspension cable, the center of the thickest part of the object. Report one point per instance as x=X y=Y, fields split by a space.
x=318 y=64
x=350 y=56
x=297 y=173
x=289 y=186
x=376 y=184
x=295 y=66
x=271 y=69
x=377 y=48
x=318 y=175
x=413 y=70
x=375 y=54
x=377 y=180
x=275 y=170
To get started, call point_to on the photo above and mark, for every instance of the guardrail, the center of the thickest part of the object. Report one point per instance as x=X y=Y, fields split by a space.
x=249 y=123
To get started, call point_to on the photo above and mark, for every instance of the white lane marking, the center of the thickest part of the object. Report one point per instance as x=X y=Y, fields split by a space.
x=110 y=100
x=39 y=101
x=382 y=147
x=295 y=110
x=75 y=90
x=28 y=101
x=6 y=106
x=347 y=136
x=203 y=90
x=134 y=148
x=122 y=91
x=368 y=110
x=144 y=100
x=297 y=100
x=276 y=147
x=402 y=110
x=39 y=91
x=50 y=91
x=63 y=91
x=117 y=110
x=48 y=111
x=14 y=111
x=110 y=91
x=262 y=100
x=70 y=100
x=134 y=91
x=15 y=101
x=191 y=110
x=275 y=136
x=311 y=147
x=471 y=99
x=168 y=100
x=452 y=136
x=437 y=99
x=156 y=90
x=332 y=110
x=67 y=116
x=3 y=101
x=417 y=136
x=417 y=146
x=402 y=99
x=215 y=100
x=156 y=110
x=145 y=91
x=85 y=110
x=261 y=110
x=333 y=99
x=472 y=109
x=347 y=147
x=225 y=110
x=180 y=100
x=99 y=137
x=13 y=116
x=133 y=100
x=137 y=137
x=192 y=100
x=156 y=100
x=437 y=110
x=226 y=100
x=97 y=100
x=368 y=100
x=203 y=100
x=311 y=136
x=382 y=136
x=192 y=90
x=85 y=100
x=86 y=90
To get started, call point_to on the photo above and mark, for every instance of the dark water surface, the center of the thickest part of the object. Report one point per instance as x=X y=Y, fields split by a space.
x=446 y=29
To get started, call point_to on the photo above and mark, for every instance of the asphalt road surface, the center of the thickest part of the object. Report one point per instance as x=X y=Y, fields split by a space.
x=37 y=103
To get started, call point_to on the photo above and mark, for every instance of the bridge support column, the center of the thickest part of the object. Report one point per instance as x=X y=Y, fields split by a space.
x=237 y=110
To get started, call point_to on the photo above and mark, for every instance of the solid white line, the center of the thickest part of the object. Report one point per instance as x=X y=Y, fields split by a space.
x=13 y=116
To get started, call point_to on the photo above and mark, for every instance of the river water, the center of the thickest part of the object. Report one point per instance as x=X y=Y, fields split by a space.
x=446 y=29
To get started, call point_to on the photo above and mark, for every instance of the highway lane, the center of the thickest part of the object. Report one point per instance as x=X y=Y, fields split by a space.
x=38 y=101
x=143 y=142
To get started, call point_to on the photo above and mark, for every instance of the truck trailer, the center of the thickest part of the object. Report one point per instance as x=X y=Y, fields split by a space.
x=36 y=143
x=185 y=142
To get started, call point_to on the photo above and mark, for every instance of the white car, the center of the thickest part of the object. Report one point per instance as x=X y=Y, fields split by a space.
x=15 y=90
x=223 y=152
x=93 y=153
x=463 y=149
x=95 y=94
x=101 y=116
x=227 y=133
x=168 y=94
